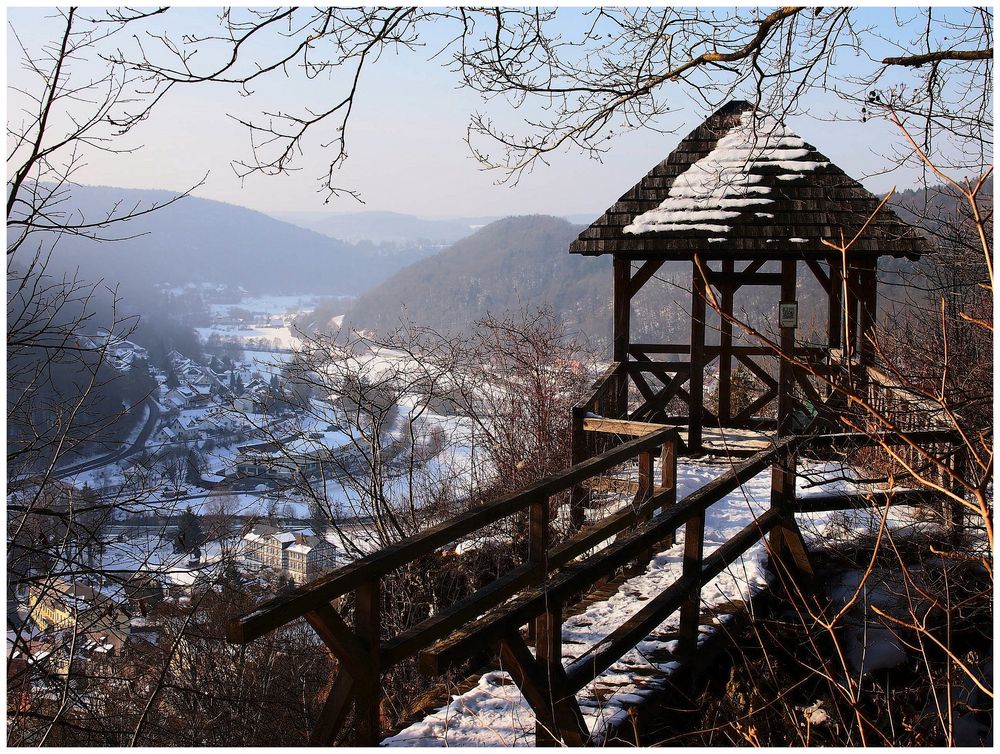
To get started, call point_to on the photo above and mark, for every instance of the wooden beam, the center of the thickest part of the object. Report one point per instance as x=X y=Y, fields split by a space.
x=621 y=310
x=786 y=377
x=662 y=398
x=694 y=553
x=621 y=315
x=819 y=274
x=368 y=694
x=835 y=334
x=331 y=717
x=757 y=370
x=336 y=634
x=555 y=706
x=642 y=275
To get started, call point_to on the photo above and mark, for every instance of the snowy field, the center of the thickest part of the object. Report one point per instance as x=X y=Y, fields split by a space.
x=495 y=714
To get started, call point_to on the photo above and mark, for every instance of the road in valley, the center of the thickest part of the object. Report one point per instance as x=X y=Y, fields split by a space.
x=137 y=446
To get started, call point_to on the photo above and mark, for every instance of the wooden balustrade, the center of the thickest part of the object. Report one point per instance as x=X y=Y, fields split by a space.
x=537 y=592
x=362 y=650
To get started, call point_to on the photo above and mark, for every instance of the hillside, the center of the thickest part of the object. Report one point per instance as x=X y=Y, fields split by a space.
x=511 y=263
x=199 y=240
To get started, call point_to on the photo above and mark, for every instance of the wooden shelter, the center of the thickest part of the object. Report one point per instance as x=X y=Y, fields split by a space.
x=745 y=200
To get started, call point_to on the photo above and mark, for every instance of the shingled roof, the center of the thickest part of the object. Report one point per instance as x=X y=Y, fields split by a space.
x=743 y=185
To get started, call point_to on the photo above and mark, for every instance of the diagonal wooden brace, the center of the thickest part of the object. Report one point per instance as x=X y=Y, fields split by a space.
x=546 y=690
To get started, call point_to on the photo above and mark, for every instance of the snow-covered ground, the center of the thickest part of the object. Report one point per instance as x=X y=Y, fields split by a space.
x=495 y=714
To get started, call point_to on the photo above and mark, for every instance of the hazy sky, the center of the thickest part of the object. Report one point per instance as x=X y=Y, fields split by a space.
x=406 y=146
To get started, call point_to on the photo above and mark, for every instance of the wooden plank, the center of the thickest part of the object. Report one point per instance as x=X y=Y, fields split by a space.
x=610 y=649
x=623 y=426
x=280 y=610
x=640 y=349
x=658 y=367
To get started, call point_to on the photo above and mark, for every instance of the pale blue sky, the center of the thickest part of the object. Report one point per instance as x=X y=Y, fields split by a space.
x=406 y=146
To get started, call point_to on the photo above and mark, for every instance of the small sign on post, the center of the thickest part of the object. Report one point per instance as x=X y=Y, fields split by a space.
x=788 y=314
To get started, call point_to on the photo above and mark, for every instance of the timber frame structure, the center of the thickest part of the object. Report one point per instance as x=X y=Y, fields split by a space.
x=773 y=203
x=781 y=203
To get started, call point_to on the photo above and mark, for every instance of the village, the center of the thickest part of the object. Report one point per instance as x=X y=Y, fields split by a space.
x=227 y=473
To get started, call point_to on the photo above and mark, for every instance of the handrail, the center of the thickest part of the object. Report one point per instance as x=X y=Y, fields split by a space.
x=286 y=608
x=551 y=577
x=445 y=653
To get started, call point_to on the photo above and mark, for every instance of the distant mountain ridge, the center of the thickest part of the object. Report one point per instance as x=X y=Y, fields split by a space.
x=199 y=240
x=379 y=227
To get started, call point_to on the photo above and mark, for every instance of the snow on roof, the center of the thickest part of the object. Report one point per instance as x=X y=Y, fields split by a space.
x=726 y=182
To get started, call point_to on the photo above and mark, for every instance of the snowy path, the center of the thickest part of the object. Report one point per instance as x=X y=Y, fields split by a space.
x=494 y=712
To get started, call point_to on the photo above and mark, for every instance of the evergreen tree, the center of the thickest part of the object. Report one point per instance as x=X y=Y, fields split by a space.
x=172 y=380
x=189 y=533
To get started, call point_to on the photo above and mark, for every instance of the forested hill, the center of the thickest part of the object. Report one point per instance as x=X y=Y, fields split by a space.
x=509 y=264
x=199 y=240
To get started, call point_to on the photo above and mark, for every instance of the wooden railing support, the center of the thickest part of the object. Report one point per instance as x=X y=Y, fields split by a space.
x=690 y=617
x=368 y=690
x=785 y=542
x=668 y=479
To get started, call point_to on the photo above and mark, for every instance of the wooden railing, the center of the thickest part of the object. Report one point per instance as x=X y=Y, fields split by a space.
x=364 y=653
x=537 y=592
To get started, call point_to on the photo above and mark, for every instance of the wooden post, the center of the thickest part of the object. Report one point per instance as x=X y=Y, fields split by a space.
x=547 y=628
x=786 y=373
x=579 y=451
x=726 y=347
x=368 y=689
x=548 y=653
x=621 y=315
x=643 y=511
x=785 y=541
x=697 y=381
x=668 y=479
x=835 y=318
x=851 y=323
x=690 y=618
x=868 y=311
